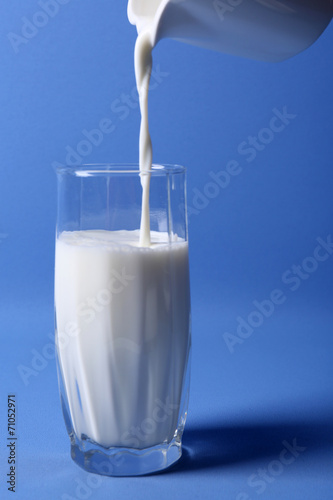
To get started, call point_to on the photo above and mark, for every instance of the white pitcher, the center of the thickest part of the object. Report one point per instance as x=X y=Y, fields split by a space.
x=266 y=30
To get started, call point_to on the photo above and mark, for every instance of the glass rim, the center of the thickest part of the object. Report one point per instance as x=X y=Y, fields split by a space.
x=94 y=169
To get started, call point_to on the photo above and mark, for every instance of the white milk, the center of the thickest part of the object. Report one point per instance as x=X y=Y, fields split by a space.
x=143 y=67
x=123 y=334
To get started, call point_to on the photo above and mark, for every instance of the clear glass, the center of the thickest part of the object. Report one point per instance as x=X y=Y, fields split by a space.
x=122 y=317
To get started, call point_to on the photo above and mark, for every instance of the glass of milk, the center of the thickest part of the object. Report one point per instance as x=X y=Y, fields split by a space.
x=122 y=316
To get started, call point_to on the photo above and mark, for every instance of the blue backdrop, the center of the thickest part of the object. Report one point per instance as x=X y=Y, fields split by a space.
x=257 y=141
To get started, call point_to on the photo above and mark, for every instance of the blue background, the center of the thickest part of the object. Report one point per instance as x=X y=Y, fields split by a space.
x=276 y=385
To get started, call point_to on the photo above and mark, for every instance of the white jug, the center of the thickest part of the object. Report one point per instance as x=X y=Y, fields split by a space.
x=266 y=30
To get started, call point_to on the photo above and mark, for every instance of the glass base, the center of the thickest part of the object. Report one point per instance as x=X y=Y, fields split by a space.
x=124 y=461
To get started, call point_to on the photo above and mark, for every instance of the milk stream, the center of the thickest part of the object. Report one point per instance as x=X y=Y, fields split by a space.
x=123 y=315
x=143 y=67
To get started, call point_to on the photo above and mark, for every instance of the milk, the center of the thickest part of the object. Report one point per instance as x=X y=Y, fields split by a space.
x=143 y=66
x=122 y=314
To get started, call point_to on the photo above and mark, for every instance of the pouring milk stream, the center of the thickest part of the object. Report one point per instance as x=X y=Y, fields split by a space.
x=266 y=30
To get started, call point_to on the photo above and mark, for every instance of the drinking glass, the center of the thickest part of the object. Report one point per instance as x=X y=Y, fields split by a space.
x=122 y=316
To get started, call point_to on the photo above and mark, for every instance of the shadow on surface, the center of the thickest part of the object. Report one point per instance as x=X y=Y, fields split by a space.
x=217 y=445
